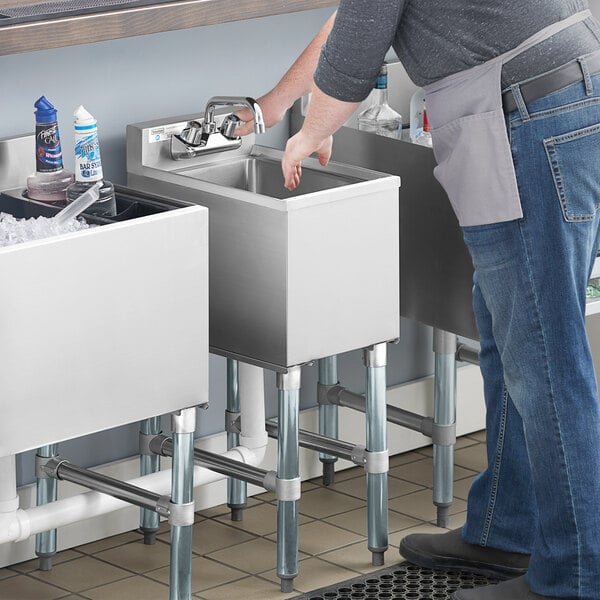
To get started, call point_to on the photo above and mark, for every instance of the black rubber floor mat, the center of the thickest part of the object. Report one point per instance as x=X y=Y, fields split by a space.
x=400 y=582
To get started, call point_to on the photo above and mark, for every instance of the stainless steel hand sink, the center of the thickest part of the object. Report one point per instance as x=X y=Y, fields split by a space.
x=294 y=276
x=101 y=327
x=263 y=176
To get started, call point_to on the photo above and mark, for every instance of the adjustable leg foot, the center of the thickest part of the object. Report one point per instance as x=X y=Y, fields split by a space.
x=328 y=472
x=377 y=558
x=237 y=513
x=149 y=536
x=287 y=585
x=443 y=515
x=45 y=562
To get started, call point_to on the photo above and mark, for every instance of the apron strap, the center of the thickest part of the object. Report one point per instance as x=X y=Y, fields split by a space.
x=544 y=34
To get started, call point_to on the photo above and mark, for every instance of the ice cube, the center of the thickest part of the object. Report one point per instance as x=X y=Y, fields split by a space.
x=16 y=231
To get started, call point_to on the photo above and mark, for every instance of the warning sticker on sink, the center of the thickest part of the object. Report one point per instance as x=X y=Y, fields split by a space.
x=160 y=134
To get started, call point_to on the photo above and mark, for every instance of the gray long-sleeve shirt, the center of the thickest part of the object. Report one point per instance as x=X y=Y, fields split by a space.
x=435 y=38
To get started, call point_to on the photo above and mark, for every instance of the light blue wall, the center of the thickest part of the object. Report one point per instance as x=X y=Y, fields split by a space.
x=135 y=79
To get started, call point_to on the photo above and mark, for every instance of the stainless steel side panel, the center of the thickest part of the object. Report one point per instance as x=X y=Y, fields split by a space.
x=343 y=284
x=436 y=272
x=103 y=327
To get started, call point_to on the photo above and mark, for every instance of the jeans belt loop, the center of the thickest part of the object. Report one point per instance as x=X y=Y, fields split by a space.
x=515 y=89
x=559 y=78
x=587 y=78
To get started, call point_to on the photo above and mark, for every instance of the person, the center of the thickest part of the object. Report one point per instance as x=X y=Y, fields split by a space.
x=513 y=98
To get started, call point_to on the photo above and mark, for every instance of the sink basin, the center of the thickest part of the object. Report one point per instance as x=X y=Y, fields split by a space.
x=101 y=327
x=263 y=176
x=294 y=276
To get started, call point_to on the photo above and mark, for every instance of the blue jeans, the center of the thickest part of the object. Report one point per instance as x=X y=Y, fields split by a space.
x=540 y=493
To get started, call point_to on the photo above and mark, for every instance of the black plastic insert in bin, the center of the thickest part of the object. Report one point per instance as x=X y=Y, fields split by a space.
x=131 y=204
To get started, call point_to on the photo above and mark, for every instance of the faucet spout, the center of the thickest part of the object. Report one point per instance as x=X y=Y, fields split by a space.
x=250 y=103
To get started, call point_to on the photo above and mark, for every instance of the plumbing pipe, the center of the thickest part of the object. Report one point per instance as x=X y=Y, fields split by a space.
x=24 y=523
x=9 y=499
x=246 y=402
x=252 y=408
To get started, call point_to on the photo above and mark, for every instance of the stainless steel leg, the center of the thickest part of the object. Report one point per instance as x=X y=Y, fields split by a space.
x=182 y=497
x=288 y=477
x=377 y=484
x=149 y=463
x=444 y=413
x=46 y=491
x=328 y=416
x=237 y=491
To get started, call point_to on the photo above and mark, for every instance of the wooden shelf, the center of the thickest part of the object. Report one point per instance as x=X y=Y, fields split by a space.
x=141 y=20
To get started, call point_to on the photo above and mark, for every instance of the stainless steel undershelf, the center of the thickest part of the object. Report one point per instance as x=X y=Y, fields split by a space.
x=141 y=20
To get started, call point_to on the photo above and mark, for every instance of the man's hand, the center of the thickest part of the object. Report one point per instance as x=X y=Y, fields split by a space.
x=325 y=116
x=299 y=147
x=273 y=106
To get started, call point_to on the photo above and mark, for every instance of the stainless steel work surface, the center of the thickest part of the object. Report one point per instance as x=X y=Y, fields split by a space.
x=294 y=277
x=103 y=327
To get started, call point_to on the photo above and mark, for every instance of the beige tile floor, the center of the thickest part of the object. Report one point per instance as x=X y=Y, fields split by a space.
x=238 y=560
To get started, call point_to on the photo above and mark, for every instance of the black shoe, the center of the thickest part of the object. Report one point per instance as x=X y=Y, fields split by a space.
x=449 y=551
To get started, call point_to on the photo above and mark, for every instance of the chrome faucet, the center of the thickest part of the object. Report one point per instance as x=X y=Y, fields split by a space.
x=203 y=137
x=209 y=112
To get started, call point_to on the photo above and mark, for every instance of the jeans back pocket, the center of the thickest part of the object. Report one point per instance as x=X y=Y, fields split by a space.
x=574 y=159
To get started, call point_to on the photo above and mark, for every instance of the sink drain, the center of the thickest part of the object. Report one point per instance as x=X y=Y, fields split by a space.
x=400 y=582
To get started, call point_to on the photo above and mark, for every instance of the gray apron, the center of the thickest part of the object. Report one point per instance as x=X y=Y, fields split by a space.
x=470 y=142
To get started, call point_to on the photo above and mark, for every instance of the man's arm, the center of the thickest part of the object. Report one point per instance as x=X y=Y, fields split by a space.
x=348 y=66
x=297 y=82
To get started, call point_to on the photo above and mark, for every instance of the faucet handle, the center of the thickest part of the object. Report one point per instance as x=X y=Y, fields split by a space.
x=192 y=134
x=229 y=125
x=232 y=121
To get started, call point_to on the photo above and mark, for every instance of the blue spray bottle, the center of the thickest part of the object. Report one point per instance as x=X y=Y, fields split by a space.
x=50 y=181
